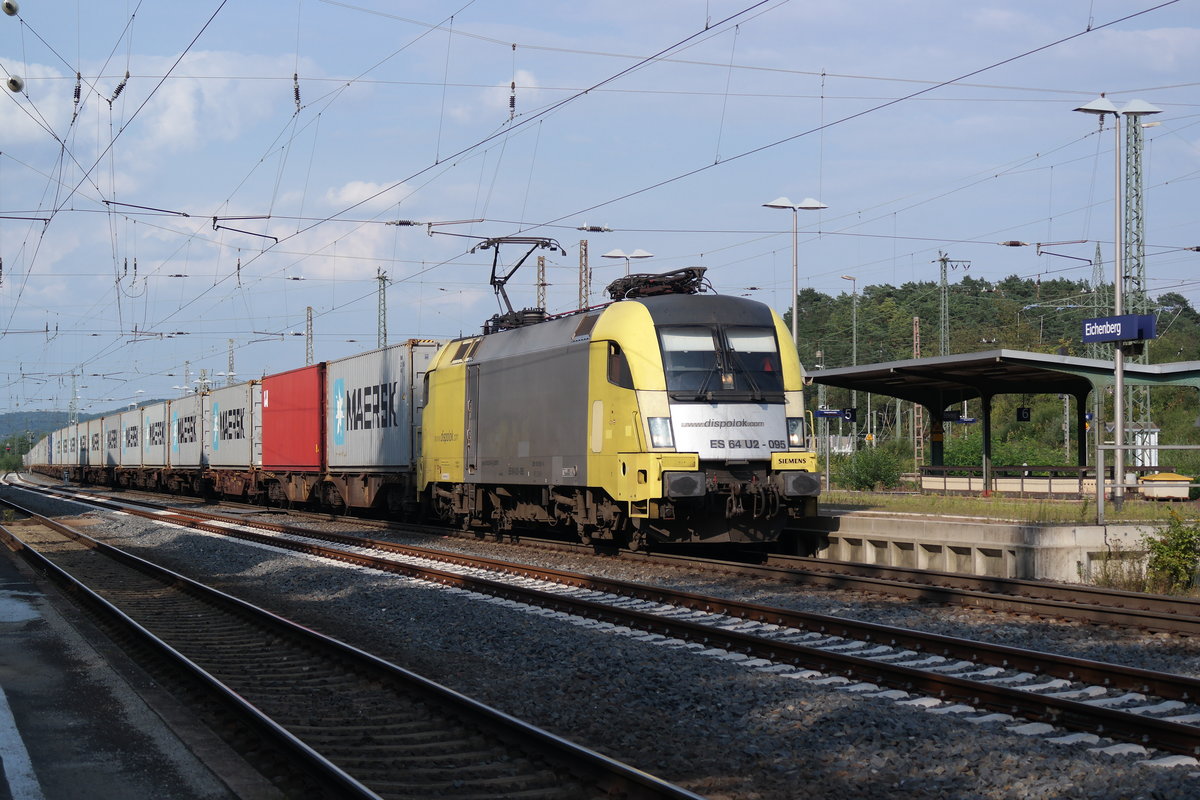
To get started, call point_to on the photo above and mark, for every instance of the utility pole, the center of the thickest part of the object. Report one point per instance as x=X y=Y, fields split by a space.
x=381 y=334
x=1136 y=299
x=229 y=373
x=1100 y=305
x=73 y=408
x=541 y=283
x=308 y=337
x=585 y=275
x=824 y=420
x=918 y=426
x=947 y=263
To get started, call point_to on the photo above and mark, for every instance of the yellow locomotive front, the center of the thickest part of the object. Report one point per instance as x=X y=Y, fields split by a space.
x=661 y=417
x=716 y=404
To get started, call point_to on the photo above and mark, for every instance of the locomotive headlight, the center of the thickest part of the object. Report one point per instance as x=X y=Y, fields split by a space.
x=795 y=429
x=660 y=432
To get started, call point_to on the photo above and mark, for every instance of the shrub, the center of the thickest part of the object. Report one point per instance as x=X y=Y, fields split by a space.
x=867 y=469
x=1120 y=569
x=1174 y=556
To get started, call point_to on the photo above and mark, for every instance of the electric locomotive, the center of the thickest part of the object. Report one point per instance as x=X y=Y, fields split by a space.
x=668 y=415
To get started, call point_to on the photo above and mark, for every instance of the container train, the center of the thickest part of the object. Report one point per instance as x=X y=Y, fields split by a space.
x=667 y=415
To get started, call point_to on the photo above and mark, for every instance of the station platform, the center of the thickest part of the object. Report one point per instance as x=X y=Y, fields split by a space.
x=1062 y=552
x=79 y=720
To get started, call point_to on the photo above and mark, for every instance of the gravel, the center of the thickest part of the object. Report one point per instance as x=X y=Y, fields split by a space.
x=711 y=725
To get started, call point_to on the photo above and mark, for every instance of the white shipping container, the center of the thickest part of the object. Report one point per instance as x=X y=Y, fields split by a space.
x=154 y=435
x=36 y=454
x=95 y=442
x=112 y=440
x=370 y=406
x=131 y=438
x=78 y=435
x=233 y=422
x=187 y=432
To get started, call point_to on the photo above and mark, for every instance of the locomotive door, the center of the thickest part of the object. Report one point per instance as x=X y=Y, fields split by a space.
x=471 y=426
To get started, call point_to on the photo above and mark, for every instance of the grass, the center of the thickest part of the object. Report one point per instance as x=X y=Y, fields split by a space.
x=1009 y=509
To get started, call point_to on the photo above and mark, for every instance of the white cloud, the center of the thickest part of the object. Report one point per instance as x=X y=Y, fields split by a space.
x=202 y=101
x=372 y=196
x=492 y=104
x=44 y=102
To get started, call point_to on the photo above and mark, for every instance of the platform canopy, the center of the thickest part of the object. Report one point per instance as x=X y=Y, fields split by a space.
x=940 y=382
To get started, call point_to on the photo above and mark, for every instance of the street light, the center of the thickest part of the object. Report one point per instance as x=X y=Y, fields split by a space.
x=1101 y=106
x=808 y=204
x=639 y=253
x=854 y=317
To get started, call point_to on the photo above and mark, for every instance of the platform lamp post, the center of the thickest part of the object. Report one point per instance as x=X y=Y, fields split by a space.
x=639 y=253
x=1101 y=106
x=807 y=204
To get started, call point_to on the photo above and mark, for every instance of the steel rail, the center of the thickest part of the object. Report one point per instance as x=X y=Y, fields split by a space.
x=1163 y=734
x=1095 y=605
x=615 y=777
x=333 y=778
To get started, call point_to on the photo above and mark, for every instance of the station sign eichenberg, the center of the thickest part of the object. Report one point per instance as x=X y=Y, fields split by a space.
x=1125 y=328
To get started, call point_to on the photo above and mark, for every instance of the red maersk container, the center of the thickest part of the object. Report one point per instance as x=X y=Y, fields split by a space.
x=292 y=420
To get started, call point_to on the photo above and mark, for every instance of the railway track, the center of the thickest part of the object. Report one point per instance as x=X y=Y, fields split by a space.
x=956 y=676
x=359 y=726
x=1094 y=604
x=1076 y=602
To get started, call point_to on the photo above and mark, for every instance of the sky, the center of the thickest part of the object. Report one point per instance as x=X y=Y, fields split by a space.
x=183 y=180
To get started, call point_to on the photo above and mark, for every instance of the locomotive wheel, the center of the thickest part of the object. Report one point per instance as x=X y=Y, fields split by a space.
x=637 y=539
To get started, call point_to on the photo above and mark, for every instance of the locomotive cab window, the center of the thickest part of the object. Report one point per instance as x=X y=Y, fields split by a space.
x=700 y=360
x=618 y=367
x=465 y=350
x=689 y=358
x=755 y=351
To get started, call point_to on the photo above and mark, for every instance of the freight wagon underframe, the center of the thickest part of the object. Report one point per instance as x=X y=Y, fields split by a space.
x=394 y=493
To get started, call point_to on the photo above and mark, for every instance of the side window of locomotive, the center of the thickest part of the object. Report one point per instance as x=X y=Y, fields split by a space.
x=466 y=349
x=755 y=351
x=618 y=367
x=689 y=357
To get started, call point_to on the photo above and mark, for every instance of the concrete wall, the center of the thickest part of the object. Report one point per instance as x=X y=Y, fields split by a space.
x=1007 y=550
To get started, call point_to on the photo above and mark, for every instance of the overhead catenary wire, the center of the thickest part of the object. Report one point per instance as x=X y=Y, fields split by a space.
x=475 y=146
x=342 y=253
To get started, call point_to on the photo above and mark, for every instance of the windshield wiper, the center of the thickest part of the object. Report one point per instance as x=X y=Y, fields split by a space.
x=701 y=394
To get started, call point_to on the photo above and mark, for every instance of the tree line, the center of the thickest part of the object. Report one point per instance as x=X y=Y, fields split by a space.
x=1043 y=316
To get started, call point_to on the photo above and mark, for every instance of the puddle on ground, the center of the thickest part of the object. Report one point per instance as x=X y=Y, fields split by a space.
x=16 y=607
